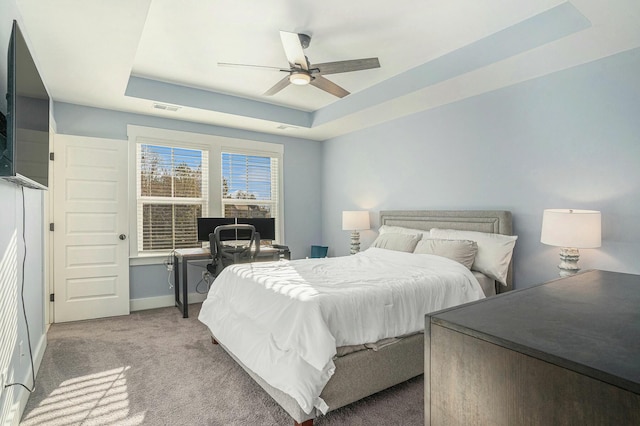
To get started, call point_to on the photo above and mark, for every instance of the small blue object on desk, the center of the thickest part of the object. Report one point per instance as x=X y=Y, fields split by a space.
x=319 y=252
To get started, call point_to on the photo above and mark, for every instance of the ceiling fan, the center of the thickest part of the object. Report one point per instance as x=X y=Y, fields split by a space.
x=302 y=72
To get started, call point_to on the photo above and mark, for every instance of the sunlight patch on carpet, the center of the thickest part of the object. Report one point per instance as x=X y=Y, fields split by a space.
x=100 y=399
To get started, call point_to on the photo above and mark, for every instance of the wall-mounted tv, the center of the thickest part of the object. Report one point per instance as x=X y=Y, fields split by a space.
x=24 y=158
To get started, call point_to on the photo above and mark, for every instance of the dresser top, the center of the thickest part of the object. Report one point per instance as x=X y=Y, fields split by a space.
x=589 y=323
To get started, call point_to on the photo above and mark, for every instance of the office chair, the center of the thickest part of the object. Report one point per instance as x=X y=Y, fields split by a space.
x=224 y=255
x=319 y=251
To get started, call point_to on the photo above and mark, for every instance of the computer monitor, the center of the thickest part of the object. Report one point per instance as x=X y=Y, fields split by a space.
x=206 y=226
x=266 y=227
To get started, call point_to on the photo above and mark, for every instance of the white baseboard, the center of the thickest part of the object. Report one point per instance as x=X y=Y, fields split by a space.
x=161 y=301
x=23 y=395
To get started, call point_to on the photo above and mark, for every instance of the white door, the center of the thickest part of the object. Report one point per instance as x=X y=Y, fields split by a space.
x=91 y=245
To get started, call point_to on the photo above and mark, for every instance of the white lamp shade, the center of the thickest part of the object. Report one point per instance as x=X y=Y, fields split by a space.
x=571 y=228
x=355 y=220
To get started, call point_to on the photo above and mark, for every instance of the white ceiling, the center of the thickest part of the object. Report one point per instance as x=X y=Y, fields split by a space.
x=127 y=55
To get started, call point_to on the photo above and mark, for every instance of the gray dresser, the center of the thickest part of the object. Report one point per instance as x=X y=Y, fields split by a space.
x=563 y=353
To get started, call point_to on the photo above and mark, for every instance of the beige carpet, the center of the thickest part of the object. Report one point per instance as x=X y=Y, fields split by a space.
x=156 y=368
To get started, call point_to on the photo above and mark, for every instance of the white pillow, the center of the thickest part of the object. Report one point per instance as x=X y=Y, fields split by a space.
x=494 y=250
x=385 y=229
x=462 y=251
x=398 y=242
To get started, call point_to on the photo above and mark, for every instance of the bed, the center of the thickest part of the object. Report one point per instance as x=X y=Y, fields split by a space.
x=361 y=370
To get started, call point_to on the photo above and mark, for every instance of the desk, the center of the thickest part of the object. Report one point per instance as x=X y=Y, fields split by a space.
x=181 y=258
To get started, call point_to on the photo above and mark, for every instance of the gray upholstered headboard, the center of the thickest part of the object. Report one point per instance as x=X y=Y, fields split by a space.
x=491 y=221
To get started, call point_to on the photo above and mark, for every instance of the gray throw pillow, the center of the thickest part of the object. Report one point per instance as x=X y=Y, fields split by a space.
x=462 y=251
x=398 y=242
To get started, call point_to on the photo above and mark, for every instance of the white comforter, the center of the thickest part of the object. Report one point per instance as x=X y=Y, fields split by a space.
x=284 y=320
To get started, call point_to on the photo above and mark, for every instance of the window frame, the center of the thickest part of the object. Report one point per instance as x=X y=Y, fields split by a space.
x=215 y=145
x=279 y=189
x=202 y=201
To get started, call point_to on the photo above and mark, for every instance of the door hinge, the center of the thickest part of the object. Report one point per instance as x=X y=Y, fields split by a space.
x=51 y=227
x=52 y=297
x=51 y=156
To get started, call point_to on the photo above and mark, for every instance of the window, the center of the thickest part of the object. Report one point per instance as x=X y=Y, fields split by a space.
x=172 y=188
x=180 y=176
x=249 y=186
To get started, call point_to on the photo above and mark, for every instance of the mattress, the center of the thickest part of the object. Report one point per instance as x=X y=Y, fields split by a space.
x=284 y=320
x=375 y=346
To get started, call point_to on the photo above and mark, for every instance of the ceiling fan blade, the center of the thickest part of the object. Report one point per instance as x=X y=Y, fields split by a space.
x=293 y=50
x=227 y=64
x=347 y=66
x=328 y=86
x=278 y=86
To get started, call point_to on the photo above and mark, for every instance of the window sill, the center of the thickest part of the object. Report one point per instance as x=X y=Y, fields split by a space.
x=149 y=259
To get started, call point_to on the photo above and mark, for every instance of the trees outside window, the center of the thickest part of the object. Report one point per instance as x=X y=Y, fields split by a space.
x=172 y=193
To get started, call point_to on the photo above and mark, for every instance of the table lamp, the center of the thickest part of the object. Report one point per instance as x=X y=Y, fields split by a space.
x=355 y=221
x=571 y=230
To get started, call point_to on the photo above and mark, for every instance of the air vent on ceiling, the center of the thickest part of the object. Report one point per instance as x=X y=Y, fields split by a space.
x=166 y=107
x=285 y=127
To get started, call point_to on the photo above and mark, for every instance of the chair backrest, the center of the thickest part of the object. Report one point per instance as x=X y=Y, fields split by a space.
x=241 y=251
x=319 y=251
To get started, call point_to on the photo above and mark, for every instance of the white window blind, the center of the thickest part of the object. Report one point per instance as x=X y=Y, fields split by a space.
x=172 y=191
x=250 y=186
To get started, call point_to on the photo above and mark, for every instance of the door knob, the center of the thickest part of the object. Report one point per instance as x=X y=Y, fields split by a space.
x=122 y=237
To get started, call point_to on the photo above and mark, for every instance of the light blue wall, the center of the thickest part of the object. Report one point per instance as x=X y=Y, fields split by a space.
x=12 y=254
x=302 y=180
x=567 y=140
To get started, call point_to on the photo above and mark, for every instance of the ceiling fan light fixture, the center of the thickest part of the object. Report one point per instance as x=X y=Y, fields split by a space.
x=299 y=78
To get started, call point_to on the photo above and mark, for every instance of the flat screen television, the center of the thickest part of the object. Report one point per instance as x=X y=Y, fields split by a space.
x=24 y=156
